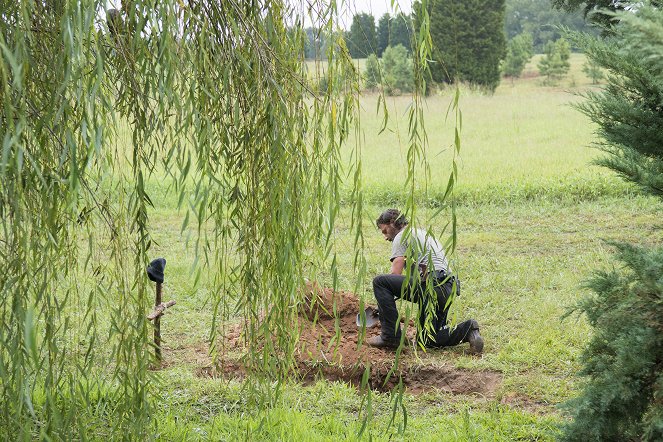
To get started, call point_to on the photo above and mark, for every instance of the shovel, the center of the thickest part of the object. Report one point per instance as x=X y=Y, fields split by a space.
x=371 y=318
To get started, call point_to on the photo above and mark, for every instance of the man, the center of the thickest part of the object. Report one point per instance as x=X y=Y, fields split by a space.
x=428 y=269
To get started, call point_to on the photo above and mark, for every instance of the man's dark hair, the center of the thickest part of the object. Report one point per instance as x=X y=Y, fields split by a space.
x=392 y=216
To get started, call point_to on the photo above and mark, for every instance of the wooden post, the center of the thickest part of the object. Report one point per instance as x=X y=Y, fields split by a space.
x=157 y=325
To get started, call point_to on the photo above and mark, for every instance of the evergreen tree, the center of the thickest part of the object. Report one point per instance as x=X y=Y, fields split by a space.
x=361 y=38
x=542 y=21
x=394 y=31
x=383 y=34
x=372 y=77
x=593 y=71
x=598 y=11
x=401 y=31
x=555 y=64
x=519 y=51
x=623 y=395
x=397 y=70
x=469 y=41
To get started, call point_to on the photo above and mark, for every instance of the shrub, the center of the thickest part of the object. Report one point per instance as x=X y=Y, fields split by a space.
x=555 y=64
x=397 y=70
x=519 y=51
x=372 y=76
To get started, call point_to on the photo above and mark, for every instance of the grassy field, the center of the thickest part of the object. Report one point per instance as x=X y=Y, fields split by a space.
x=523 y=142
x=533 y=221
x=532 y=227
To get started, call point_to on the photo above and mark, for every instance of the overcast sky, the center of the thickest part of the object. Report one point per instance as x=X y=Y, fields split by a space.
x=348 y=8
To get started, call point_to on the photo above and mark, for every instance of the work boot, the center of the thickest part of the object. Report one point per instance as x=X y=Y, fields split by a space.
x=474 y=338
x=380 y=342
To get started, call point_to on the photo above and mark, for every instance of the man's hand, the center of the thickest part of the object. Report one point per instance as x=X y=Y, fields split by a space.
x=397 y=265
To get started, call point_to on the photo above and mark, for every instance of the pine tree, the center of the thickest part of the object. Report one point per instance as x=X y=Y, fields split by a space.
x=555 y=63
x=623 y=395
x=383 y=34
x=401 y=31
x=397 y=70
x=394 y=31
x=361 y=37
x=469 y=41
x=519 y=52
x=593 y=71
x=372 y=77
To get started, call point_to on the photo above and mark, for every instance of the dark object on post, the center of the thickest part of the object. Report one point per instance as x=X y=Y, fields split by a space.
x=155 y=273
x=372 y=318
x=155 y=270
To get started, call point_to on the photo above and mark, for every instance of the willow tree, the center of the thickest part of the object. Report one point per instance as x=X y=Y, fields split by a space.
x=214 y=97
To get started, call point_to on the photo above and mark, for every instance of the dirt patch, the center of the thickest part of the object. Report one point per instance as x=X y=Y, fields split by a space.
x=329 y=349
x=520 y=401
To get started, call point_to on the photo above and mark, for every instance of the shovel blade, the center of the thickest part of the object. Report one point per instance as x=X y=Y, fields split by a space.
x=372 y=318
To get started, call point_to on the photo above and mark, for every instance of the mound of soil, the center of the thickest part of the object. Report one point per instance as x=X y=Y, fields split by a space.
x=329 y=348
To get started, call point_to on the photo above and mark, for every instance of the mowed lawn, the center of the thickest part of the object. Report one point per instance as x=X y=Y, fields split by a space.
x=524 y=141
x=532 y=227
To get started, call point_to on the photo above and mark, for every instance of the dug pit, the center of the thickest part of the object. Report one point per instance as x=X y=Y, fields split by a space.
x=332 y=353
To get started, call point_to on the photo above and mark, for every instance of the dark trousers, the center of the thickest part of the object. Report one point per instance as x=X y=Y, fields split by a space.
x=388 y=288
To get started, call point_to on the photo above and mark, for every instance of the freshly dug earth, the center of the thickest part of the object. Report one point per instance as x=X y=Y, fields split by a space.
x=327 y=354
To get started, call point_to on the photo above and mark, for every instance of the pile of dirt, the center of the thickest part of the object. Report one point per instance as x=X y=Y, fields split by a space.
x=329 y=349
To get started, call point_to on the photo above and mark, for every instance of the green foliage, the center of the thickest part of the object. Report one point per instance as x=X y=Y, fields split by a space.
x=372 y=74
x=624 y=360
x=382 y=33
x=397 y=70
x=622 y=399
x=555 y=63
x=519 y=51
x=539 y=19
x=600 y=12
x=210 y=97
x=394 y=31
x=593 y=70
x=315 y=43
x=361 y=38
x=469 y=41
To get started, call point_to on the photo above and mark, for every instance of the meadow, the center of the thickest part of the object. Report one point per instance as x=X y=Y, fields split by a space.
x=534 y=218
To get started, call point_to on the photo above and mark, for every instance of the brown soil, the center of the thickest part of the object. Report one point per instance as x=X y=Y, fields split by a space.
x=322 y=355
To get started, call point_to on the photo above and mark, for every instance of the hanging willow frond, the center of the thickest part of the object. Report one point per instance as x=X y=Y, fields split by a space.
x=212 y=95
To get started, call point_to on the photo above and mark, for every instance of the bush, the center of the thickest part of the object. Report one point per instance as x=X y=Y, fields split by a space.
x=593 y=71
x=622 y=399
x=372 y=76
x=555 y=64
x=518 y=52
x=397 y=70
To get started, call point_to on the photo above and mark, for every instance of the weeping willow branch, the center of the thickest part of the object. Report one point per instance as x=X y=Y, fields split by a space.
x=213 y=96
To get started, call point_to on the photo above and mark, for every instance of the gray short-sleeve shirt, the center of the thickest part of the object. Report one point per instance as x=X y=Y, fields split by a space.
x=424 y=246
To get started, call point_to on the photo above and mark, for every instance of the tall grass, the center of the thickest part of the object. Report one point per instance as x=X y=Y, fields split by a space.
x=524 y=142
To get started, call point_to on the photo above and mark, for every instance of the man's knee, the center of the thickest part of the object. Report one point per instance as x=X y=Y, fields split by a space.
x=379 y=281
x=381 y=288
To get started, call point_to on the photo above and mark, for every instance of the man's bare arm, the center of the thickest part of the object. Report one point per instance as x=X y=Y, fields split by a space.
x=397 y=265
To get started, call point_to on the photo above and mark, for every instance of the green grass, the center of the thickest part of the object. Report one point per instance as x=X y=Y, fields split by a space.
x=524 y=142
x=522 y=266
x=532 y=228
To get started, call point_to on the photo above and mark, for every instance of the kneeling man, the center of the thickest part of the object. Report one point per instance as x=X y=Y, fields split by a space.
x=429 y=269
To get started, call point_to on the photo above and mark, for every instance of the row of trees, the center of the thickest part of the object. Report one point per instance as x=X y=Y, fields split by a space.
x=470 y=40
x=540 y=20
x=364 y=38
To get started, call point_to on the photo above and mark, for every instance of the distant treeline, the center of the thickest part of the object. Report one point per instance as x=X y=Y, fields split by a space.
x=368 y=35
